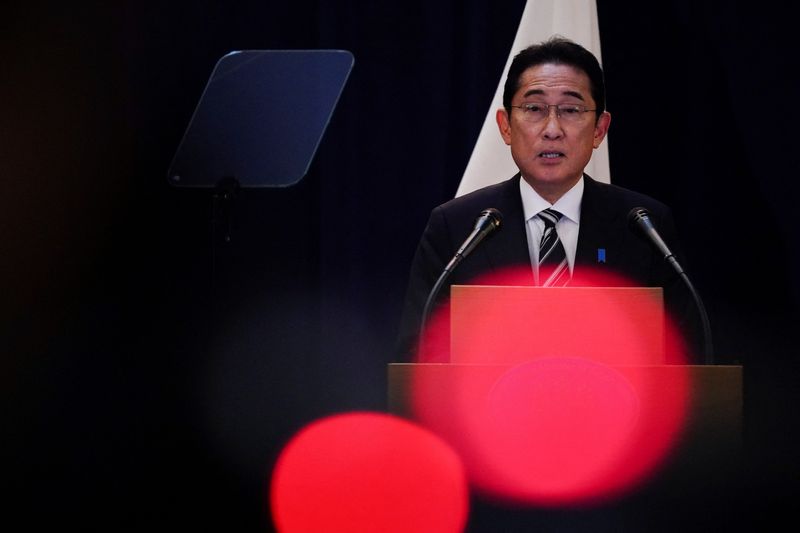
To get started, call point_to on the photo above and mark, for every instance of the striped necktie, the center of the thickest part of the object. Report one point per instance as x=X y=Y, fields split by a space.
x=553 y=266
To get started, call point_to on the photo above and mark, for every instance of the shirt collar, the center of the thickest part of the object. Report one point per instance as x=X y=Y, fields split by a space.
x=568 y=205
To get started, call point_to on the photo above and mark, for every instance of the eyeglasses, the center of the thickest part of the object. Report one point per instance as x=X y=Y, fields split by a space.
x=570 y=113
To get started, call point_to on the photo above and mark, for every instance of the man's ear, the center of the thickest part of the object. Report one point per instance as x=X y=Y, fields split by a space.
x=601 y=128
x=504 y=123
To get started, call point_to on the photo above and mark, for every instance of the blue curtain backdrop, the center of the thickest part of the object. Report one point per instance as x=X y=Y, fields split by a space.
x=151 y=371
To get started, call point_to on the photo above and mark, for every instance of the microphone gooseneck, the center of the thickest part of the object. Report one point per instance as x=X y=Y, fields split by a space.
x=488 y=221
x=640 y=223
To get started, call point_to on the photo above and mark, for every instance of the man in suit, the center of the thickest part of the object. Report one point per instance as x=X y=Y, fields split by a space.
x=553 y=117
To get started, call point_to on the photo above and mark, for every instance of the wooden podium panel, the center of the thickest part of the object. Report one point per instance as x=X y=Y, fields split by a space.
x=577 y=347
x=707 y=455
x=508 y=325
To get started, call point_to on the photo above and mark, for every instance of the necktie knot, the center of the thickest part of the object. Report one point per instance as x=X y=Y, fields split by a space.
x=550 y=217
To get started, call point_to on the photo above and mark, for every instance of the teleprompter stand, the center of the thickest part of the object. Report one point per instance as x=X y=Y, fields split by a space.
x=258 y=124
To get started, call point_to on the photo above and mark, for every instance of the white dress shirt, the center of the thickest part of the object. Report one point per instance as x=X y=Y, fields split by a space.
x=568 y=205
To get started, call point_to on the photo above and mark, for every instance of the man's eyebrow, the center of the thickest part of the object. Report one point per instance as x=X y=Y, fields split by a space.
x=533 y=92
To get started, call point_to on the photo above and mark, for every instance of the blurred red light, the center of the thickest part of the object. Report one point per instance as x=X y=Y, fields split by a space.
x=571 y=422
x=368 y=472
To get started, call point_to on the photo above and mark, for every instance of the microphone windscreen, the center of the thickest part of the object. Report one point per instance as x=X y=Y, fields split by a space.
x=636 y=216
x=494 y=215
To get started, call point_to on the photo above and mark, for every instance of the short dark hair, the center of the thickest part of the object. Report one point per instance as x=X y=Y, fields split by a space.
x=560 y=51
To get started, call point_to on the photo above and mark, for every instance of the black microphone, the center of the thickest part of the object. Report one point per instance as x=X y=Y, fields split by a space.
x=488 y=221
x=639 y=220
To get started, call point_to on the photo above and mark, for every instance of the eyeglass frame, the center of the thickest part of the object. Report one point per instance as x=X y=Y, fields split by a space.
x=526 y=107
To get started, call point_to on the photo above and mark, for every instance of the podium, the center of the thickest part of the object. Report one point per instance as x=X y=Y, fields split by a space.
x=706 y=452
x=709 y=451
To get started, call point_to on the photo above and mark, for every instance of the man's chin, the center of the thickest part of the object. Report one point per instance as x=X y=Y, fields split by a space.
x=551 y=180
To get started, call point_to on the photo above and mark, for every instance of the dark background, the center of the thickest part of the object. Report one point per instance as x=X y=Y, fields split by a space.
x=151 y=372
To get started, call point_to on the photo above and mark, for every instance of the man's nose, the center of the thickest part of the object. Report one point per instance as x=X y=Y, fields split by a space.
x=552 y=124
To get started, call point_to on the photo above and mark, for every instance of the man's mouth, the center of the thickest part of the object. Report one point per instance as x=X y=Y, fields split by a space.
x=551 y=155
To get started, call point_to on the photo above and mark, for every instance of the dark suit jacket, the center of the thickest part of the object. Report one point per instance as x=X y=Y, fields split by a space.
x=603 y=226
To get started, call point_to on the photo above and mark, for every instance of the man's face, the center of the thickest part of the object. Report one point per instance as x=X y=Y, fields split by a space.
x=552 y=153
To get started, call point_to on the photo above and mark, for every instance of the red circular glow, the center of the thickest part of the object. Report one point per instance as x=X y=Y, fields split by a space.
x=555 y=427
x=580 y=421
x=368 y=472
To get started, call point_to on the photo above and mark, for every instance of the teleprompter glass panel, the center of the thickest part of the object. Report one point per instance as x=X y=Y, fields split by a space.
x=261 y=118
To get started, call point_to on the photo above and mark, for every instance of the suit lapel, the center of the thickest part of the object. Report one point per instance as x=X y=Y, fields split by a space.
x=600 y=233
x=509 y=247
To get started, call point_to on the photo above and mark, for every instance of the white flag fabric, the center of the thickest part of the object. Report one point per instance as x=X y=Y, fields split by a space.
x=491 y=160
